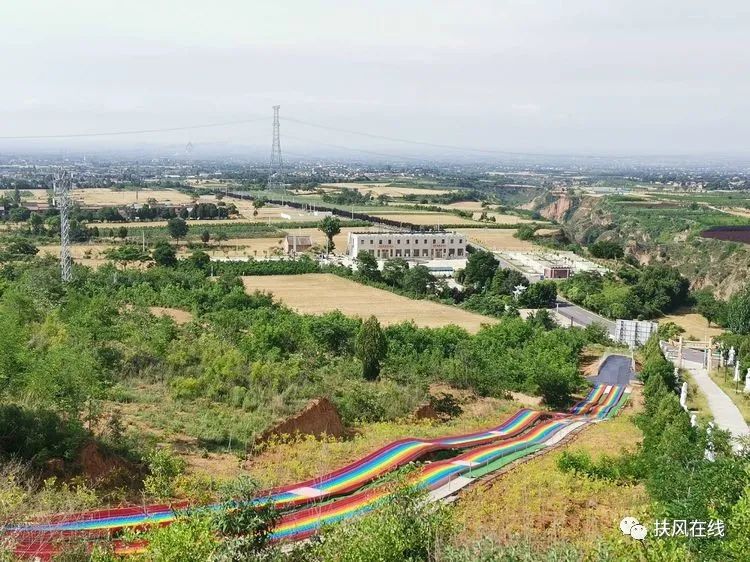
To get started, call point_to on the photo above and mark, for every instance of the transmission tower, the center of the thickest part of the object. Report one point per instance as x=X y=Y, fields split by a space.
x=61 y=187
x=275 y=172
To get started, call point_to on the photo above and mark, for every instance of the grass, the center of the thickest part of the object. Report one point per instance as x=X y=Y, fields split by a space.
x=538 y=503
x=696 y=400
x=742 y=401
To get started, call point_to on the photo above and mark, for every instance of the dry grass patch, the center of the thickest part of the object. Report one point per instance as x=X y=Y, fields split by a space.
x=695 y=325
x=537 y=502
x=318 y=293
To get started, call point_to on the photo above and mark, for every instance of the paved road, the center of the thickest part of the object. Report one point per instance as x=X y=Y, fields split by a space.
x=616 y=369
x=725 y=413
x=581 y=316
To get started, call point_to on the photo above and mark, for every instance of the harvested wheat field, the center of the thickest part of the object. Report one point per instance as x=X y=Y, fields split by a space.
x=318 y=293
x=385 y=188
x=106 y=196
x=498 y=239
x=425 y=218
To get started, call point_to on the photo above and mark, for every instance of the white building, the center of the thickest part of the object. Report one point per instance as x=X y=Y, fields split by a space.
x=408 y=245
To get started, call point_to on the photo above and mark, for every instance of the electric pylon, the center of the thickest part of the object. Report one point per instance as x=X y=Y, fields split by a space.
x=61 y=187
x=275 y=172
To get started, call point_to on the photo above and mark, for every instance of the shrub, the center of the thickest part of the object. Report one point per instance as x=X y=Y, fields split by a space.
x=164 y=467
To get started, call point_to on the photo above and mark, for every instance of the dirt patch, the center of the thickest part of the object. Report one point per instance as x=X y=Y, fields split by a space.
x=319 y=418
x=106 y=469
x=179 y=316
x=425 y=412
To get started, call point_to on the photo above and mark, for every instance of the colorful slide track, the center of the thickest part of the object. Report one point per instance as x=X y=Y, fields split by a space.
x=523 y=433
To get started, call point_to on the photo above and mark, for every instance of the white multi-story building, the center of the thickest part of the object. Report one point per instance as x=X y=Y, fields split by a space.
x=408 y=245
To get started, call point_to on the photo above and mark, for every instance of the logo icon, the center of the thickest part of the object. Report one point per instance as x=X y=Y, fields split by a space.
x=631 y=526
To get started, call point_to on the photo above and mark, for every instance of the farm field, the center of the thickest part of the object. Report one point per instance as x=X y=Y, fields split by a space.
x=318 y=293
x=497 y=239
x=106 y=196
x=386 y=188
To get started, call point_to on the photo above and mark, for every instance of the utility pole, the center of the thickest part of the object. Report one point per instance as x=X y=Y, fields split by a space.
x=275 y=172
x=61 y=187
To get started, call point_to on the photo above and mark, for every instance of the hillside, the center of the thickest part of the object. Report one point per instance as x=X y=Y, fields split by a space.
x=655 y=229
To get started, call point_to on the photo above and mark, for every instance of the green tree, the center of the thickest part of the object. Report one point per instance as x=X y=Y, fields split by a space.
x=371 y=347
x=177 y=228
x=164 y=255
x=712 y=309
x=122 y=232
x=205 y=236
x=199 y=259
x=36 y=221
x=480 y=268
x=525 y=232
x=127 y=253
x=419 y=281
x=607 y=249
x=21 y=248
x=367 y=266
x=258 y=203
x=539 y=295
x=330 y=226
x=505 y=280
x=394 y=271
x=738 y=312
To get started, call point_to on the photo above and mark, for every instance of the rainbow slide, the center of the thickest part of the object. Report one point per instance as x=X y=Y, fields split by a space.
x=521 y=434
x=341 y=481
x=601 y=402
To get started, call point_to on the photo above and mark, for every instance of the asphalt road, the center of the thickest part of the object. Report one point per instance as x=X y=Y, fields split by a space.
x=616 y=369
x=582 y=316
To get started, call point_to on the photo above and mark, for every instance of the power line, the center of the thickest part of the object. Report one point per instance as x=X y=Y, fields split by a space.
x=398 y=139
x=365 y=151
x=134 y=132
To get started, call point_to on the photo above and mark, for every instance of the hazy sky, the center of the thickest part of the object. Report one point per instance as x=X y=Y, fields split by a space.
x=574 y=76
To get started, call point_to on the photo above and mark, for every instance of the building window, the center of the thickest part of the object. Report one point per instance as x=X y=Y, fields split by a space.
x=460 y=241
x=425 y=252
x=380 y=241
x=460 y=252
x=390 y=242
x=407 y=253
x=443 y=241
x=398 y=241
x=407 y=240
x=371 y=241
